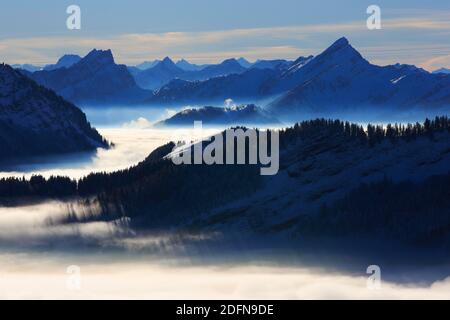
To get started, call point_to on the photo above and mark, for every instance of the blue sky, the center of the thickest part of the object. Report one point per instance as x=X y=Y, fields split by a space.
x=413 y=31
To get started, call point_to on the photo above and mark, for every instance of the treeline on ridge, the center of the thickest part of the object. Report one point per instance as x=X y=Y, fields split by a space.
x=165 y=177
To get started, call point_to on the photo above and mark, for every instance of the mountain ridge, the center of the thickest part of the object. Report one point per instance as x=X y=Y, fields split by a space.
x=35 y=121
x=95 y=79
x=339 y=78
x=243 y=115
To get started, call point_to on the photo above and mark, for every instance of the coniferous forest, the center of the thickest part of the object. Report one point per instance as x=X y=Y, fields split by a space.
x=155 y=168
x=156 y=193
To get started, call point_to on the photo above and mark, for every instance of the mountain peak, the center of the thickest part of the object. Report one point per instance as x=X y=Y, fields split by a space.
x=341 y=42
x=231 y=61
x=6 y=68
x=167 y=60
x=66 y=61
x=167 y=63
x=99 y=56
x=68 y=57
x=8 y=75
x=244 y=62
x=341 y=49
x=148 y=64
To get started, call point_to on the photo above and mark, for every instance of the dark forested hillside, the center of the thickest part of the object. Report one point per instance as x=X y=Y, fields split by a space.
x=34 y=121
x=414 y=212
x=335 y=178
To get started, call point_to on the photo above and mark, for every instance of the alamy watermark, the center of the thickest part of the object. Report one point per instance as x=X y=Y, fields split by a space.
x=73 y=281
x=374 y=280
x=374 y=20
x=241 y=146
x=73 y=22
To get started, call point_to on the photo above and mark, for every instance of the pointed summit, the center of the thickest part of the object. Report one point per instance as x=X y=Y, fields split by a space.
x=340 y=50
x=103 y=57
x=94 y=79
x=341 y=42
x=167 y=60
x=168 y=64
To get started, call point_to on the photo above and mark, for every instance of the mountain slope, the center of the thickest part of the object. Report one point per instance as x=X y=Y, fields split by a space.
x=147 y=64
x=442 y=70
x=341 y=79
x=243 y=115
x=95 y=79
x=166 y=71
x=335 y=178
x=35 y=121
x=65 y=61
x=271 y=64
x=227 y=67
x=338 y=79
x=187 y=66
x=337 y=181
x=27 y=67
x=248 y=84
x=157 y=76
x=244 y=62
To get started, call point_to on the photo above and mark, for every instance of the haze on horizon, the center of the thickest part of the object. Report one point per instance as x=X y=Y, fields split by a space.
x=412 y=32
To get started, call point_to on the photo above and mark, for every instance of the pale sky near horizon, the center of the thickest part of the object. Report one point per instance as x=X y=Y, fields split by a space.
x=204 y=31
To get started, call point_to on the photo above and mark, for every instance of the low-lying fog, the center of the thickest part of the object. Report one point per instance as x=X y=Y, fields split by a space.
x=43 y=260
x=45 y=276
x=132 y=145
x=40 y=256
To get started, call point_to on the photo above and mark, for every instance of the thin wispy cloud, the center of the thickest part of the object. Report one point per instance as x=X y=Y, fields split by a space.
x=381 y=46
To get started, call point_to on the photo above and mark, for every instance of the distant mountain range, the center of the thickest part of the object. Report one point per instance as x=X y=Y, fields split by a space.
x=271 y=64
x=337 y=79
x=65 y=61
x=244 y=62
x=182 y=64
x=147 y=64
x=27 y=67
x=341 y=78
x=35 y=121
x=187 y=66
x=163 y=72
x=95 y=79
x=155 y=77
x=442 y=70
x=245 y=115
